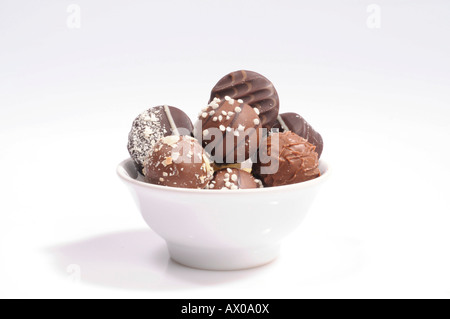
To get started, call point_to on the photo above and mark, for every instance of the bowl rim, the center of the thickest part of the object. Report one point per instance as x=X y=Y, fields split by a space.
x=122 y=173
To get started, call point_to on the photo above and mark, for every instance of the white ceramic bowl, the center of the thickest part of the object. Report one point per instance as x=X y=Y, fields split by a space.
x=222 y=230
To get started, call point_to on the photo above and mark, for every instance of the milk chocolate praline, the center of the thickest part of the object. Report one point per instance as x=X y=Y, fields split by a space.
x=152 y=125
x=230 y=130
x=178 y=161
x=254 y=89
x=292 y=158
x=234 y=179
x=298 y=125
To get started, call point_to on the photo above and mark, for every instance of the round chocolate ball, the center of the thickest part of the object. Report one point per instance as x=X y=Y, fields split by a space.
x=229 y=129
x=178 y=161
x=233 y=179
x=287 y=159
x=298 y=125
x=254 y=89
x=152 y=125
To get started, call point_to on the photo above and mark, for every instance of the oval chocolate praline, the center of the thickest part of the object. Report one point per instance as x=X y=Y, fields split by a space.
x=254 y=89
x=292 y=160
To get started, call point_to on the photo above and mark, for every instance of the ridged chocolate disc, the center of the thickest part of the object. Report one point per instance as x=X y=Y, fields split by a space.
x=254 y=89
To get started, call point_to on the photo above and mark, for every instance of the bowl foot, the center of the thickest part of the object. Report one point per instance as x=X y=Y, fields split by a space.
x=221 y=259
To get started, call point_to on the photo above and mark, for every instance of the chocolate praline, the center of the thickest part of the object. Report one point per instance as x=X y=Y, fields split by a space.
x=152 y=125
x=298 y=125
x=234 y=179
x=178 y=161
x=254 y=89
x=289 y=159
x=230 y=130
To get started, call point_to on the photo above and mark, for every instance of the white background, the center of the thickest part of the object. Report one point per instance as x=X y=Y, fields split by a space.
x=380 y=97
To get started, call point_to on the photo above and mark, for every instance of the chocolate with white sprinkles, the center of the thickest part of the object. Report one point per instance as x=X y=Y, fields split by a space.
x=178 y=161
x=229 y=129
x=152 y=125
x=234 y=179
x=254 y=89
